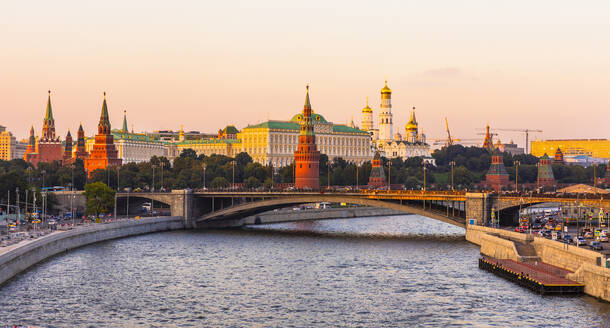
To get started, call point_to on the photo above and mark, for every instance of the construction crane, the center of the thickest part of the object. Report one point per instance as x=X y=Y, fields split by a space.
x=527 y=135
x=449 y=140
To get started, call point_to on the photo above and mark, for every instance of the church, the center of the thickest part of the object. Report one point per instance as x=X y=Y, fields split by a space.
x=413 y=144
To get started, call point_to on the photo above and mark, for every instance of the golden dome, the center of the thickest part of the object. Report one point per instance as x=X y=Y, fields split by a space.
x=385 y=88
x=367 y=109
x=412 y=124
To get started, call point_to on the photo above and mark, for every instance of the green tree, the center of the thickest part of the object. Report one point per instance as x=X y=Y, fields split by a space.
x=219 y=182
x=252 y=182
x=100 y=198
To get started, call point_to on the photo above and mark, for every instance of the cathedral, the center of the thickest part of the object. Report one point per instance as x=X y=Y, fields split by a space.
x=392 y=146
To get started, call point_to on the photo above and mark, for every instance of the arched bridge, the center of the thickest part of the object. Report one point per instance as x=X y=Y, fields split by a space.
x=228 y=208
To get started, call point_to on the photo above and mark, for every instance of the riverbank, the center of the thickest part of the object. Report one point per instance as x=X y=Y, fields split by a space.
x=586 y=266
x=19 y=257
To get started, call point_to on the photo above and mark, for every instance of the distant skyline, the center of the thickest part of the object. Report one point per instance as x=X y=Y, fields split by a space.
x=519 y=64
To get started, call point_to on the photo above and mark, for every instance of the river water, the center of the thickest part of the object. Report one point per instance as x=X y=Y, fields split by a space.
x=402 y=271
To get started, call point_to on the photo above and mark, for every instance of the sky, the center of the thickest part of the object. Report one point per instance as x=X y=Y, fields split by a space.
x=205 y=64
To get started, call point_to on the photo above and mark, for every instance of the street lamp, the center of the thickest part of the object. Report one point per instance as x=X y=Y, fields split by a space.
x=452 y=163
x=233 y=164
x=390 y=175
x=328 y=174
x=153 y=178
x=538 y=177
x=203 y=166
x=357 y=173
x=44 y=197
x=425 y=176
x=517 y=163
x=594 y=175
x=162 y=165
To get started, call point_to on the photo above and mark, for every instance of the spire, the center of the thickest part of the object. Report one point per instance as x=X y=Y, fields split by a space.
x=68 y=135
x=80 y=127
x=124 y=129
x=104 y=126
x=32 y=141
x=307 y=103
x=49 y=114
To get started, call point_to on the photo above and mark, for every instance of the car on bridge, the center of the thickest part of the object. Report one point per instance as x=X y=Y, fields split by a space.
x=596 y=245
x=579 y=241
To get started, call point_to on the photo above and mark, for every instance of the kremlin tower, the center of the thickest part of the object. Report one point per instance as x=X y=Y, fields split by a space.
x=81 y=149
x=377 y=177
x=307 y=157
x=104 y=153
x=48 y=148
x=385 y=116
x=545 y=172
x=68 y=150
x=496 y=177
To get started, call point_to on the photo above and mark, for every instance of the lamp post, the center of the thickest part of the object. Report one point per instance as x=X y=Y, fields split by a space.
x=538 y=177
x=18 y=207
x=425 y=177
x=328 y=174
x=517 y=163
x=44 y=197
x=203 y=166
x=389 y=175
x=118 y=178
x=152 y=201
x=153 y=177
x=162 y=165
x=357 y=173
x=594 y=175
x=233 y=184
x=452 y=163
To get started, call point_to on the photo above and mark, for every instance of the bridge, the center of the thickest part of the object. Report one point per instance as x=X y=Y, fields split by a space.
x=229 y=208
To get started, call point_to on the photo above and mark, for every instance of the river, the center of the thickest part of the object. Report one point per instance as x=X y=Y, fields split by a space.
x=401 y=271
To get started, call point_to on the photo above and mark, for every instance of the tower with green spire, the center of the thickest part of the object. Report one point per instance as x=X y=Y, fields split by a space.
x=124 y=128
x=104 y=152
x=307 y=156
x=48 y=124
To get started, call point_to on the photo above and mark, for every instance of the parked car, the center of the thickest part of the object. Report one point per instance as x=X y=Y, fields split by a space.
x=596 y=245
x=519 y=229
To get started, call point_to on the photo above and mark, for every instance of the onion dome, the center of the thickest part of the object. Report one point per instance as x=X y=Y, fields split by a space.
x=367 y=109
x=412 y=124
x=386 y=89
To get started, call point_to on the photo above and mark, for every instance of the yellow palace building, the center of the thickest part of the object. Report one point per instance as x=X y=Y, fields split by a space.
x=598 y=148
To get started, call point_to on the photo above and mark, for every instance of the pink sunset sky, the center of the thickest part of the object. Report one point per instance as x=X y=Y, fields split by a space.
x=204 y=64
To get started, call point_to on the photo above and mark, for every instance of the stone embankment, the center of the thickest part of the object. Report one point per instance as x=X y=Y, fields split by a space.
x=290 y=215
x=588 y=266
x=15 y=259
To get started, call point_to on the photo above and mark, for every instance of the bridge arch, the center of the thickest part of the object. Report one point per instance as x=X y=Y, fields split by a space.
x=243 y=210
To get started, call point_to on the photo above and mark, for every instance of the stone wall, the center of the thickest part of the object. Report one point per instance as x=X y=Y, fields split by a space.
x=595 y=278
x=565 y=256
x=474 y=233
x=498 y=248
x=18 y=259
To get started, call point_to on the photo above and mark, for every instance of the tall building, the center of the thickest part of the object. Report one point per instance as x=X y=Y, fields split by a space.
x=385 y=116
x=596 y=148
x=307 y=157
x=104 y=153
x=545 y=172
x=10 y=148
x=377 y=177
x=48 y=148
x=497 y=177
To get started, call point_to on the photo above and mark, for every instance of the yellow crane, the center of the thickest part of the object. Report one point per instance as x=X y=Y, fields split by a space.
x=449 y=140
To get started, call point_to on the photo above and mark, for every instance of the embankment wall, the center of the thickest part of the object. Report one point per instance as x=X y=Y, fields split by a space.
x=18 y=259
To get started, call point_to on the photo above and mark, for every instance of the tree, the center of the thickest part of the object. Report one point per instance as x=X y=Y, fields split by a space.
x=188 y=153
x=219 y=182
x=100 y=198
x=252 y=182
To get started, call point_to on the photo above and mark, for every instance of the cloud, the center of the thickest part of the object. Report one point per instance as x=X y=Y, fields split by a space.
x=446 y=72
